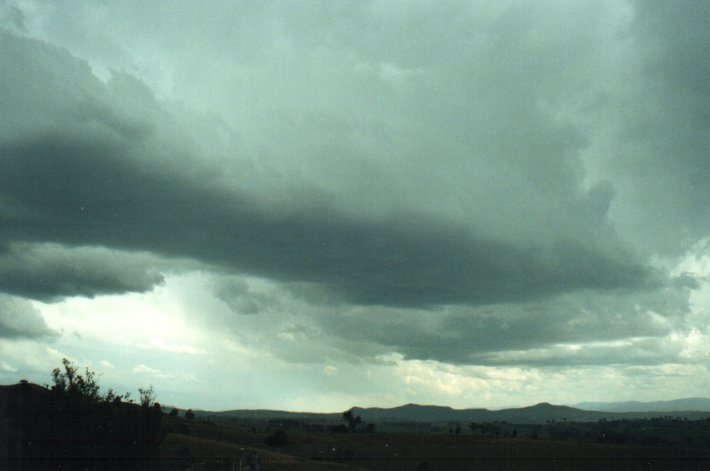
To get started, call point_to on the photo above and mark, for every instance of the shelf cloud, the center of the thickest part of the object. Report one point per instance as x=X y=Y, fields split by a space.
x=488 y=194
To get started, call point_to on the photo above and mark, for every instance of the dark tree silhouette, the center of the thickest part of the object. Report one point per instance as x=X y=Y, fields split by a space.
x=73 y=426
x=71 y=383
x=147 y=396
x=278 y=438
x=351 y=419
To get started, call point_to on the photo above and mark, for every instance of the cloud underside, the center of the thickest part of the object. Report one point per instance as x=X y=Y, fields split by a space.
x=80 y=170
x=512 y=188
x=575 y=329
x=19 y=319
x=50 y=272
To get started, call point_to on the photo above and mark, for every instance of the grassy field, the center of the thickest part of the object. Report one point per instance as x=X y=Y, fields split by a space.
x=419 y=451
x=223 y=455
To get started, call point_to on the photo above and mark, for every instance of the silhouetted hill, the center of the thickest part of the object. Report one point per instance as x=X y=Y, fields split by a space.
x=409 y=413
x=536 y=414
x=269 y=414
x=700 y=404
x=545 y=412
x=540 y=413
x=60 y=429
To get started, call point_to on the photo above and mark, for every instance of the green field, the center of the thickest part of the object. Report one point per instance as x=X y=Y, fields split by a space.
x=207 y=443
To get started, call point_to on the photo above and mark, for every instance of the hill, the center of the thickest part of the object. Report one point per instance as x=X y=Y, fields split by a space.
x=537 y=414
x=414 y=413
x=699 y=404
x=69 y=429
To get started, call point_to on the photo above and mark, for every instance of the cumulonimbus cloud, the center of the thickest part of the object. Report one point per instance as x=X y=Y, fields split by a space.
x=81 y=167
x=19 y=319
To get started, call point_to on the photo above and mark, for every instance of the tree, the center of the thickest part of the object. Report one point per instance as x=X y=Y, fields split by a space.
x=71 y=383
x=189 y=415
x=147 y=396
x=278 y=438
x=173 y=412
x=352 y=421
x=78 y=422
x=114 y=398
x=473 y=426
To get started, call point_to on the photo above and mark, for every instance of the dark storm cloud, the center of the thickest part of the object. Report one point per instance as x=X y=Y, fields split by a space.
x=11 y=17
x=660 y=154
x=49 y=271
x=416 y=201
x=581 y=328
x=237 y=295
x=86 y=174
x=633 y=351
x=91 y=164
x=19 y=319
x=86 y=193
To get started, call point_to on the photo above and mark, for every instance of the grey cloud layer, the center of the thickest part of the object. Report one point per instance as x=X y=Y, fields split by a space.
x=327 y=188
x=576 y=329
x=49 y=271
x=92 y=164
x=573 y=329
x=19 y=319
x=658 y=117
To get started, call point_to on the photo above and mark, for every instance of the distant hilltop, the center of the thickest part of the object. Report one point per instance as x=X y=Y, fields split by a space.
x=700 y=404
x=690 y=408
x=541 y=413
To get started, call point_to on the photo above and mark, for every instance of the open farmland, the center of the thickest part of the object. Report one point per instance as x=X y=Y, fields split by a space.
x=416 y=451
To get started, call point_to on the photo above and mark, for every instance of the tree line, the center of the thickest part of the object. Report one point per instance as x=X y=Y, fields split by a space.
x=72 y=425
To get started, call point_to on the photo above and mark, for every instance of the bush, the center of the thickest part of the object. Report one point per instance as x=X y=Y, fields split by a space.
x=340 y=428
x=278 y=438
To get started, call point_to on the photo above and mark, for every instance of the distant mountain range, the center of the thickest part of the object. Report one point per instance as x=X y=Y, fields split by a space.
x=693 y=409
x=690 y=408
x=539 y=413
x=688 y=404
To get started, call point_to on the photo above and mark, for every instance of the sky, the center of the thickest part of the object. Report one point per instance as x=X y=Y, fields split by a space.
x=322 y=204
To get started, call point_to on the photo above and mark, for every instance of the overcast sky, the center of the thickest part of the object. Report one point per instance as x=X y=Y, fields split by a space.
x=315 y=205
